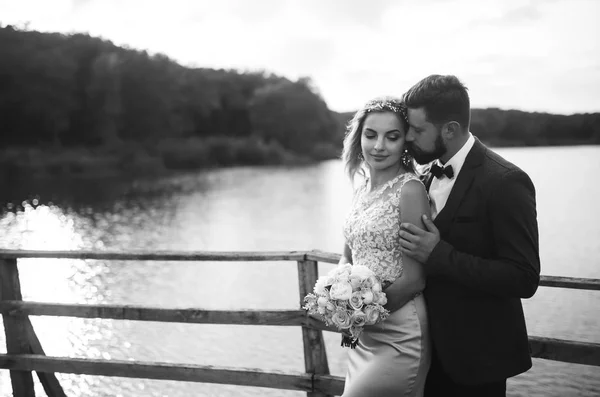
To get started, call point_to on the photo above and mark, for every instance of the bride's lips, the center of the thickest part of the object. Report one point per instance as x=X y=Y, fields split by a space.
x=378 y=157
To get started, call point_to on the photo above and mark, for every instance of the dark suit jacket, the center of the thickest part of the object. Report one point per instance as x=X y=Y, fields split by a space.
x=486 y=261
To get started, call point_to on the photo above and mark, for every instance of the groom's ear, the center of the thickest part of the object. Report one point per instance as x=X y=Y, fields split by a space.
x=452 y=129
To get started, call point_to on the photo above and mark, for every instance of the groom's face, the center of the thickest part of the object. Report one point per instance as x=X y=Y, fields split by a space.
x=424 y=139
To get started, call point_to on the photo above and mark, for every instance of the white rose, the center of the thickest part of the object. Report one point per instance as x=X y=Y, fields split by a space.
x=341 y=319
x=322 y=301
x=356 y=301
x=376 y=287
x=358 y=318
x=341 y=291
x=371 y=315
x=367 y=296
x=380 y=298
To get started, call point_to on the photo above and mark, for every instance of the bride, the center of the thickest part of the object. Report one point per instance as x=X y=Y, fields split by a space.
x=392 y=358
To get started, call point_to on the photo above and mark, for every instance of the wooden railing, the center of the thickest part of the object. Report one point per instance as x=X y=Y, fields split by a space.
x=25 y=353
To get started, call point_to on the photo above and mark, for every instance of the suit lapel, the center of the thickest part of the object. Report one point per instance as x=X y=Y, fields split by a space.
x=464 y=180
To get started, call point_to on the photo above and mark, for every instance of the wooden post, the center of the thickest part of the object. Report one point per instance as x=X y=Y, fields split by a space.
x=48 y=380
x=15 y=327
x=315 y=356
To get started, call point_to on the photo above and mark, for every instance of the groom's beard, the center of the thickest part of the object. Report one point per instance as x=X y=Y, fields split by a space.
x=423 y=157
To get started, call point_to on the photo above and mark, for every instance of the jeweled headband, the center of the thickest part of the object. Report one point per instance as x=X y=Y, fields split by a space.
x=389 y=104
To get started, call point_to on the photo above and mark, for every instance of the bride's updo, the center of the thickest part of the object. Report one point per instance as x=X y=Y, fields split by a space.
x=352 y=152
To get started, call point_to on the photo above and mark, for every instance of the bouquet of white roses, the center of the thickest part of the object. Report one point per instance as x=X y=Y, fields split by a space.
x=349 y=297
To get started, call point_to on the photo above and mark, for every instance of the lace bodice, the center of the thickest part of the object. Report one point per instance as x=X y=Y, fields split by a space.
x=373 y=225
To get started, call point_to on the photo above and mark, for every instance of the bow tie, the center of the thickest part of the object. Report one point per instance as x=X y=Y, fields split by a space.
x=440 y=172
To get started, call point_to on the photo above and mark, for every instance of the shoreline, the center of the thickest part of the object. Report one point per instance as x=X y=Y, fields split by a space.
x=139 y=161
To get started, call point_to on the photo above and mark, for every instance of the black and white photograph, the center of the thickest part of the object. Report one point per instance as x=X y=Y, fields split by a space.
x=314 y=198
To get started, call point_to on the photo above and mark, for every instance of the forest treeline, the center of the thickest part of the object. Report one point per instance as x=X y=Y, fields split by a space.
x=75 y=103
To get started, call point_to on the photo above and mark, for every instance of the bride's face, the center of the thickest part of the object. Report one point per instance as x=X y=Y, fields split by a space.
x=382 y=140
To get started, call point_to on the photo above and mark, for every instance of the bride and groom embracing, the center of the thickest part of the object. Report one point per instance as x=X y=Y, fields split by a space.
x=456 y=248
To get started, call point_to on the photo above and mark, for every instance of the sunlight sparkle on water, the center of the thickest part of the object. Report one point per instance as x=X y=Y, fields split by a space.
x=49 y=228
x=45 y=228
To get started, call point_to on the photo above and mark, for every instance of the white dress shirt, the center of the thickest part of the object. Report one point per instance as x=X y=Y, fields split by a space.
x=440 y=188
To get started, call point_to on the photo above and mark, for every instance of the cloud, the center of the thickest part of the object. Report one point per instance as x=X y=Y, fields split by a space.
x=520 y=15
x=517 y=16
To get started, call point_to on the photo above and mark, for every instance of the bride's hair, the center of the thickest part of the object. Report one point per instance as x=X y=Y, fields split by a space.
x=352 y=152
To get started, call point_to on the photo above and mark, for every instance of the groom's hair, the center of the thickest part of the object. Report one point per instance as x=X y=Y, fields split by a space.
x=444 y=99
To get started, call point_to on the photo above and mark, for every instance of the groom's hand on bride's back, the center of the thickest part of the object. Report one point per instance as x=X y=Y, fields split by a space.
x=419 y=243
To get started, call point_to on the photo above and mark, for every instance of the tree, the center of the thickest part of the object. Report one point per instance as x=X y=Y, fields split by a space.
x=292 y=114
x=103 y=94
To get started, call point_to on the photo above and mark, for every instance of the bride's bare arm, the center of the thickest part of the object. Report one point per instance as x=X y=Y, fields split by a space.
x=413 y=204
x=346 y=255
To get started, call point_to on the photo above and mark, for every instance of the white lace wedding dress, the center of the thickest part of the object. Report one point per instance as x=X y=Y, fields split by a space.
x=392 y=358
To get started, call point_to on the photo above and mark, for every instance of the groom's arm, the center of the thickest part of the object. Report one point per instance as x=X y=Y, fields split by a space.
x=515 y=267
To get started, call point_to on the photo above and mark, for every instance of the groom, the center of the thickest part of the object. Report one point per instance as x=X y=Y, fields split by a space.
x=481 y=251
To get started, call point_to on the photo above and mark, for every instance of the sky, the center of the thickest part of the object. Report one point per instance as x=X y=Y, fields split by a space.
x=531 y=55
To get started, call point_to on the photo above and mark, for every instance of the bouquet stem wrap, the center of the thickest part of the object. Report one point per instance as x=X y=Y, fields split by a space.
x=347 y=341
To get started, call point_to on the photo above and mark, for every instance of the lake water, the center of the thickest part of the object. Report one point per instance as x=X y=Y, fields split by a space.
x=276 y=208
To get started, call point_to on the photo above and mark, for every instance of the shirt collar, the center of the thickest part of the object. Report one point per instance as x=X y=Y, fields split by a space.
x=459 y=157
